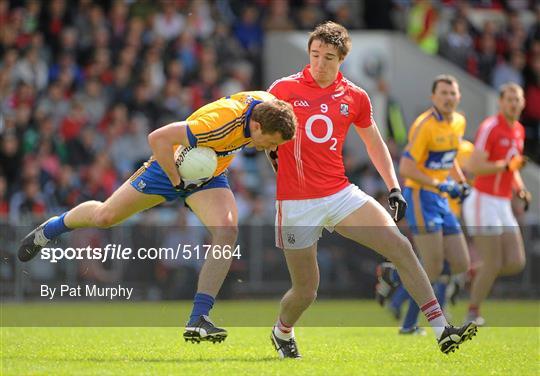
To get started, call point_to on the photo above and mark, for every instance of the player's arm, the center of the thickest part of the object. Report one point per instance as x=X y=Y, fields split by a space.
x=379 y=154
x=457 y=173
x=479 y=164
x=162 y=142
x=415 y=151
x=408 y=169
x=521 y=191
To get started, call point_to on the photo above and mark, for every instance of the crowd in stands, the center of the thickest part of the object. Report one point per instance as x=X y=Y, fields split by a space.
x=82 y=83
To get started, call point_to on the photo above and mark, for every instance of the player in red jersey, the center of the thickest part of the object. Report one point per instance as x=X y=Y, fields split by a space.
x=313 y=192
x=488 y=215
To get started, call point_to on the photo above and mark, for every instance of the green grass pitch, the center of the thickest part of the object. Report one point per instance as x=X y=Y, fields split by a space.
x=337 y=350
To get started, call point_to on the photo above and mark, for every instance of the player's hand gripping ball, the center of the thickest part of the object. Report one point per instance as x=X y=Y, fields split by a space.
x=195 y=165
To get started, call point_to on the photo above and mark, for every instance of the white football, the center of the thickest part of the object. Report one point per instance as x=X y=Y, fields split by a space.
x=198 y=163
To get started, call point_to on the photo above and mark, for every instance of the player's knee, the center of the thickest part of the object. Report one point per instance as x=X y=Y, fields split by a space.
x=398 y=250
x=104 y=218
x=514 y=266
x=226 y=233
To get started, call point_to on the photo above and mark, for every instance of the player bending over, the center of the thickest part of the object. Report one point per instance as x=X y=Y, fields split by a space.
x=227 y=125
x=313 y=192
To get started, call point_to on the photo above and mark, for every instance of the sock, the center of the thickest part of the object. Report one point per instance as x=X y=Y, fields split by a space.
x=394 y=276
x=474 y=310
x=202 y=304
x=433 y=312
x=283 y=331
x=399 y=297
x=55 y=227
x=440 y=292
x=411 y=318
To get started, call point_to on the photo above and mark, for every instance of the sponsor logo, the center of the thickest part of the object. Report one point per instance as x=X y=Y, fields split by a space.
x=344 y=109
x=337 y=95
x=441 y=160
x=299 y=103
x=141 y=185
x=504 y=142
x=290 y=238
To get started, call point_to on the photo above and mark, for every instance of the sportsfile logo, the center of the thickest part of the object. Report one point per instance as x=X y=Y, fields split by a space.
x=299 y=103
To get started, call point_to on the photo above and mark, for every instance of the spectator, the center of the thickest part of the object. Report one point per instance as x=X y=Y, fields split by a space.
x=94 y=101
x=10 y=159
x=278 y=18
x=28 y=204
x=53 y=104
x=510 y=70
x=248 y=30
x=457 y=46
x=169 y=23
x=486 y=58
x=32 y=70
x=422 y=26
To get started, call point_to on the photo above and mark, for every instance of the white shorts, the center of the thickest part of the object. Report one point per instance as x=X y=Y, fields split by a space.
x=299 y=223
x=486 y=214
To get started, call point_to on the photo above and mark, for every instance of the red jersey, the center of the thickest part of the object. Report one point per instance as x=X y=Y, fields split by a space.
x=311 y=165
x=500 y=141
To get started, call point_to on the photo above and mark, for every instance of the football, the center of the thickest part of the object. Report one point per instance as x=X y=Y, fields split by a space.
x=197 y=163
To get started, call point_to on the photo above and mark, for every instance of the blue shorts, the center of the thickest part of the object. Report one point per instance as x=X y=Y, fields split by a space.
x=151 y=179
x=428 y=212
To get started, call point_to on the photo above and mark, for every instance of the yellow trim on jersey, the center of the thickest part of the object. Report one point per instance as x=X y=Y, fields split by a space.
x=420 y=225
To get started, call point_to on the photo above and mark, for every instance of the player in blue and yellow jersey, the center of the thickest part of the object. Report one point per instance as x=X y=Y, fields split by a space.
x=432 y=175
x=227 y=125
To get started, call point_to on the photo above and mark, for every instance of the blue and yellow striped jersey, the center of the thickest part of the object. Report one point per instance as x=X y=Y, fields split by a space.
x=223 y=125
x=433 y=145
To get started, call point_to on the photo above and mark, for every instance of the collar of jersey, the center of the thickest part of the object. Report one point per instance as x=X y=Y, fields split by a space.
x=502 y=120
x=247 y=132
x=308 y=78
x=436 y=114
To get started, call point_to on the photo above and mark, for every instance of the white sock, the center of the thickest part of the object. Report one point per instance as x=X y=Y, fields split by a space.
x=434 y=315
x=283 y=331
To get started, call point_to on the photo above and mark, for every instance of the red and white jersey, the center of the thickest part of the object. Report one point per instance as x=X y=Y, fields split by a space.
x=311 y=165
x=500 y=141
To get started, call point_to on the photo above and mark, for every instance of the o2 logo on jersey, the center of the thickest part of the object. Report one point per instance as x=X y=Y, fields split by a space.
x=441 y=160
x=329 y=130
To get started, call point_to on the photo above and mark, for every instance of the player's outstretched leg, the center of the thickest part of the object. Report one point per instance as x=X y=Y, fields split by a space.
x=391 y=244
x=122 y=204
x=204 y=330
x=34 y=242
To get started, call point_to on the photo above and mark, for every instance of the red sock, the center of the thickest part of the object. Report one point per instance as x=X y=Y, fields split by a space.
x=434 y=314
x=474 y=310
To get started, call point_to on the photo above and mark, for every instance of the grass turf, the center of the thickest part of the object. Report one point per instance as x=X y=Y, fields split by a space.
x=326 y=350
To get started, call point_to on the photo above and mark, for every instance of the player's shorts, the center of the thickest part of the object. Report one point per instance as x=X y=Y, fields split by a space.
x=299 y=223
x=151 y=179
x=429 y=212
x=485 y=214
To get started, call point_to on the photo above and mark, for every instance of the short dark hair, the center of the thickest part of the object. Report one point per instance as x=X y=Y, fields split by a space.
x=276 y=116
x=446 y=78
x=333 y=34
